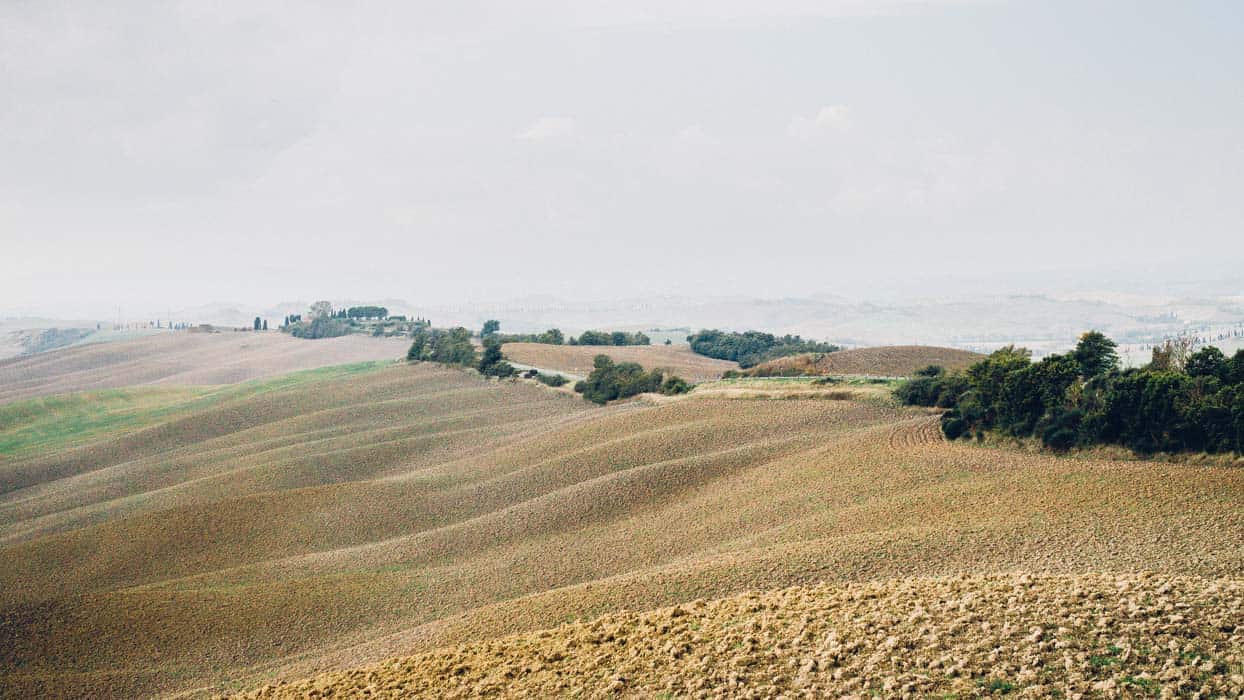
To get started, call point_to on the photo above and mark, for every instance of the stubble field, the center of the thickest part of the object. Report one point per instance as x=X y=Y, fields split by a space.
x=577 y=359
x=886 y=361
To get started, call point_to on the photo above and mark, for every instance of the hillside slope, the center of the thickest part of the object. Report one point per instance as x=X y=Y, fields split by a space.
x=885 y=361
x=327 y=523
x=1049 y=635
x=577 y=359
x=183 y=359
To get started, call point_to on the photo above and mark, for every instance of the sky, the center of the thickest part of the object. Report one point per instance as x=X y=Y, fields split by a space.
x=180 y=153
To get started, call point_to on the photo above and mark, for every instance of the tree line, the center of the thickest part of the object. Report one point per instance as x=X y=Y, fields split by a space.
x=1180 y=401
x=752 y=347
x=617 y=338
x=554 y=336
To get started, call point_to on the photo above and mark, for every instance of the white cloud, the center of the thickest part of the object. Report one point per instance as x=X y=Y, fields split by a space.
x=548 y=128
x=829 y=118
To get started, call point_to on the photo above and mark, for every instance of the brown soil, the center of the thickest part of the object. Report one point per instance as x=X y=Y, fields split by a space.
x=577 y=359
x=969 y=636
x=887 y=361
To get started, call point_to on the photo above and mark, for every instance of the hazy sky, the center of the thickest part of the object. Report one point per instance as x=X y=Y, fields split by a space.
x=186 y=152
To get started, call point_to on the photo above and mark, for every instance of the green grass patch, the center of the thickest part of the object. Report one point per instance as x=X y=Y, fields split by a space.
x=999 y=686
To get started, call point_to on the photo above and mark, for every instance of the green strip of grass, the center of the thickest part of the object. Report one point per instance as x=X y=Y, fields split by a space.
x=54 y=422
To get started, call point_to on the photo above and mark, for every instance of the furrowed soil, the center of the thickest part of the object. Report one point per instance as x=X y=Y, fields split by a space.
x=886 y=361
x=577 y=359
x=964 y=636
x=183 y=359
x=336 y=520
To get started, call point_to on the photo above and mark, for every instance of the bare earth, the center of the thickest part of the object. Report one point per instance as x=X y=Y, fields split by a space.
x=965 y=636
x=183 y=359
x=577 y=359
x=884 y=361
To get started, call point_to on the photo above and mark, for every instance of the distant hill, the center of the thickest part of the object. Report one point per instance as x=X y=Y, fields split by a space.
x=183 y=359
x=885 y=361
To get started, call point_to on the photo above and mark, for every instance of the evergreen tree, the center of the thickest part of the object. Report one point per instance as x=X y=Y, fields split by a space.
x=1096 y=354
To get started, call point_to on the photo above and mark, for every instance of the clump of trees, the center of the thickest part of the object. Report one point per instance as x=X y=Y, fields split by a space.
x=367 y=312
x=319 y=327
x=1181 y=401
x=450 y=346
x=453 y=346
x=610 y=338
x=491 y=362
x=752 y=347
x=609 y=381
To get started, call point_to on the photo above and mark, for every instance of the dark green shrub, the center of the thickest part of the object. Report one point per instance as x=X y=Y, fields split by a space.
x=674 y=385
x=553 y=380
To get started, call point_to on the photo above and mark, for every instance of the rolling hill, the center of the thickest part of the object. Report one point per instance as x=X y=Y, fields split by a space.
x=183 y=359
x=576 y=360
x=884 y=361
x=321 y=521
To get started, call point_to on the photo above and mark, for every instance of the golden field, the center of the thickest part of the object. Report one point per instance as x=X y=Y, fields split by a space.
x=317 y=522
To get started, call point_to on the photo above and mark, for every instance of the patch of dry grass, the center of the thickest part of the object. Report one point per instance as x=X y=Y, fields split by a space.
x=577 y=359
x=886 y=361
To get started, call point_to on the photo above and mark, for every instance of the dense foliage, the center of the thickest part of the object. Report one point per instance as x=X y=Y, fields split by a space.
x=450 y=346
x=1181 y=401
x=609 y=380
x=753 y=347
x=319 y=327
x=610 y=338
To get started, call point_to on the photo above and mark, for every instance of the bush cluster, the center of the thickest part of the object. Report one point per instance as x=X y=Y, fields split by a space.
x=609 y=381
x=1181 y=401
x=753 y=347
x=552 y=379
